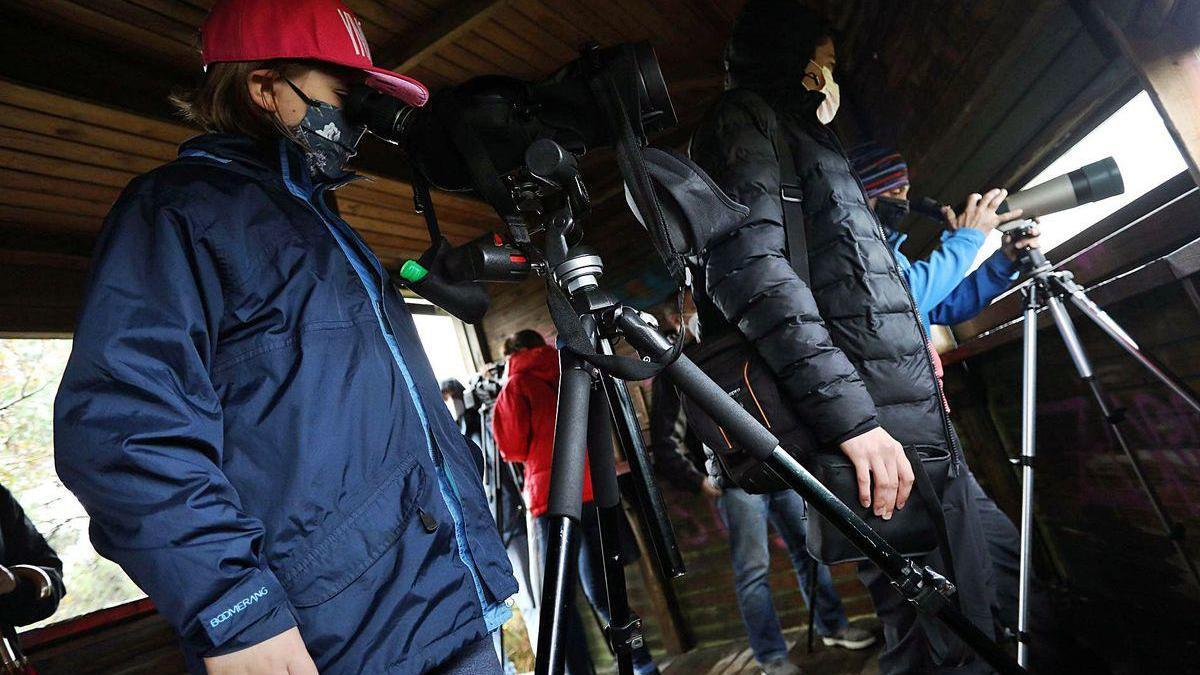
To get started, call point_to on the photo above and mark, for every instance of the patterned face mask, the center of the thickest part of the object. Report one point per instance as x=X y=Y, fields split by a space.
x=329 y=139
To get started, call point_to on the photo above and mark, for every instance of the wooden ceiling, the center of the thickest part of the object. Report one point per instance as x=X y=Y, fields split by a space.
x=85 y=107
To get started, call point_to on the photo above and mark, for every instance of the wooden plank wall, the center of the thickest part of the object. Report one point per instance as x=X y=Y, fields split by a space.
x=62 y=165
x=140 y=644
x=1102 y=535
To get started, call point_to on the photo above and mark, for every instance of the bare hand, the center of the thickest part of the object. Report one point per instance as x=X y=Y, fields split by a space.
x=877 y=453
x=1012 y=247
x=710 y=487
x=284 y=654
x=980 y=212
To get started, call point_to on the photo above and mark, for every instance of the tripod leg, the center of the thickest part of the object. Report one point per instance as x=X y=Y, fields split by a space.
x=563 y=513
x=649 y=497
x=1114 y=331
x=623 y=631
x=1172 y=530
x=1028 y=449
x=927 y=591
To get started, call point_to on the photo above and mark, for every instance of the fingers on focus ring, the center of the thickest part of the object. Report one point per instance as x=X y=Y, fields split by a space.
x=999 y=198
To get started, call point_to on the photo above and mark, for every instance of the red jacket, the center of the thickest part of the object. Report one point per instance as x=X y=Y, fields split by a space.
x=523 y=422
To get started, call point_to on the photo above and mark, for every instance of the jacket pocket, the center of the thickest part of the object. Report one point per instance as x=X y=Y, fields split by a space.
x=324 y=568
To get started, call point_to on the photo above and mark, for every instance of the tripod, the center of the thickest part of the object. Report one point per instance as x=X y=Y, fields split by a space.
x=1050 y=288
x=589 y=399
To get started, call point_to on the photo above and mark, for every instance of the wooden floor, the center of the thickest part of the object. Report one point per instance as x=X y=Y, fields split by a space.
x=735 y=657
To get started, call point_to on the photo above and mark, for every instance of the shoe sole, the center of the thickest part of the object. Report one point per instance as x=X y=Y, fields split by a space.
x=849 y=644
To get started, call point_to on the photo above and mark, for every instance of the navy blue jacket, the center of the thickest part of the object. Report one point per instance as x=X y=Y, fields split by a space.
x=252 y=425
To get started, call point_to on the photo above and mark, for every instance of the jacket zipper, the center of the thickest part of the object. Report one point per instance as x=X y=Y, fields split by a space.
x=491 y=613
x=951 y=439
x=356 y=241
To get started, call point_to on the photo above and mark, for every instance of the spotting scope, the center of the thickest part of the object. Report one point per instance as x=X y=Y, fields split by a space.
x=1096 y=181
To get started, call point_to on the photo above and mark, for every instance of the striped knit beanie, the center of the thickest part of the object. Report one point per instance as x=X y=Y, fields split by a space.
x=879 y=168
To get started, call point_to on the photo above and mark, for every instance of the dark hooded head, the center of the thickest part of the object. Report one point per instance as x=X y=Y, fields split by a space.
x=772 y=43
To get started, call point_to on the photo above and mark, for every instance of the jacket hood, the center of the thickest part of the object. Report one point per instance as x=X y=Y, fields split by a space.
x=771 y=44
x=540 y=362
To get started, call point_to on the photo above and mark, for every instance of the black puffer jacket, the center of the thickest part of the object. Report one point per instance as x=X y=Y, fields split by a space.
x=36 y=596
x=849 y=351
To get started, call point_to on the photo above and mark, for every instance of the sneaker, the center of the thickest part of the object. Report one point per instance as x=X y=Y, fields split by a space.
x=780 y=667
x=850 y=637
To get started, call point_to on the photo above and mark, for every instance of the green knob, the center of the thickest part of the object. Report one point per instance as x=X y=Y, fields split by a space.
x=412 y=271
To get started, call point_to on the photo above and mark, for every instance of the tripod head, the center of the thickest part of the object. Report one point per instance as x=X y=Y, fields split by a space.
x=1031 y=260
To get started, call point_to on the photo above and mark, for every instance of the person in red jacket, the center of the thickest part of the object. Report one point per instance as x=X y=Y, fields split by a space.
x=523 y=421
x=523 y=425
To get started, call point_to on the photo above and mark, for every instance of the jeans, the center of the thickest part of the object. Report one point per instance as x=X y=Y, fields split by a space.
x=1004 y=546
x=915 y=643
x=518 y=555
x=746 y=517
x=591 y=578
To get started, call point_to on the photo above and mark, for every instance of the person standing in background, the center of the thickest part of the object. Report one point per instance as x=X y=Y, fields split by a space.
x=523 y=423
x=31 y=581
x=839 y=330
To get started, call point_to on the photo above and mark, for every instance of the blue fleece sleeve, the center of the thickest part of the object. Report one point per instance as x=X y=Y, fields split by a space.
x=933 y=279
x=975 y=292
x=138 y=434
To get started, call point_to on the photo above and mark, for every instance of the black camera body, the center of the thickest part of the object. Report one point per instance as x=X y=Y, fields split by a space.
x=487 y=123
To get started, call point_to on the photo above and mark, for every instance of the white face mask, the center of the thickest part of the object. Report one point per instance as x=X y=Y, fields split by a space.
x=833 y=95
x=692 y=324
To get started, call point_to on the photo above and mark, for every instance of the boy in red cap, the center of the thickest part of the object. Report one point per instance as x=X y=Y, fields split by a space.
x=248 y=415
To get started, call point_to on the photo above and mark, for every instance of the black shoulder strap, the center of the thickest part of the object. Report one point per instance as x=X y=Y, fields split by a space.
x=791 y=199
x=933 y=504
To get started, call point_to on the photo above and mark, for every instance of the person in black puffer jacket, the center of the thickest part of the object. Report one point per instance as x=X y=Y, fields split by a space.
x=849 y=351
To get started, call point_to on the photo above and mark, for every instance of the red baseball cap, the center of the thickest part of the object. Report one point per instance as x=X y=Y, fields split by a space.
x=321 y=30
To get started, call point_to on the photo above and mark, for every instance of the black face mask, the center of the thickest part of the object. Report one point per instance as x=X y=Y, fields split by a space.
x=891 y=212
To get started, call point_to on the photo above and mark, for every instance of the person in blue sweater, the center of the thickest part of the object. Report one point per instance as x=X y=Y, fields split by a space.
x=943 y=291
x=945 y=294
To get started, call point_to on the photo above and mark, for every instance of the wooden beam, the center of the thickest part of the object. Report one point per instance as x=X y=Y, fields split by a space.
x=1163 y=44
x=407 y=51
x=1180 y=264
x=22 y=237
x=85 y=72
x=57 y=261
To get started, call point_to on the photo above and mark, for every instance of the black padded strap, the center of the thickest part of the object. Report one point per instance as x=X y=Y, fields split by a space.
x=933 y=505
x=791 y=199
x=423 y=204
